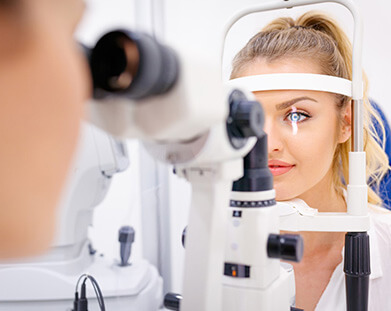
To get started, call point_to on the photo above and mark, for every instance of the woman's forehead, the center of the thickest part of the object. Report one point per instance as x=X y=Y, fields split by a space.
x=278 y=97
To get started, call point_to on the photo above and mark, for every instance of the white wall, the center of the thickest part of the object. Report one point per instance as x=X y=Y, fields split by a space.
x=123 y=202
x=122 y=206
x=103 y=15
x=376 y=55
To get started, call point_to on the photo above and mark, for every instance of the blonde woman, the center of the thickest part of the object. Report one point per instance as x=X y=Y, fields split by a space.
x=309 y=139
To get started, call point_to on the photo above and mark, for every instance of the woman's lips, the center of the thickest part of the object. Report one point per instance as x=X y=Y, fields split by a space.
x=279 y=167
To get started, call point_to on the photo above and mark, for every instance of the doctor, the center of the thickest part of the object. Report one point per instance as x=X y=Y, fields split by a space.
x=43 y=83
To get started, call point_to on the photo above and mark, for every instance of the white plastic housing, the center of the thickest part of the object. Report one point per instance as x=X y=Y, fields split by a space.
x=280 y=296
x=97 y=158
x=269 y=285
x=50 y=286
x=247 y=242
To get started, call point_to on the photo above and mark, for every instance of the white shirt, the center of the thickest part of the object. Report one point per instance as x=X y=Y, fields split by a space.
x=334 y=296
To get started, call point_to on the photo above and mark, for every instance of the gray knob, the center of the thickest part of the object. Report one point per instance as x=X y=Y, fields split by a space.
x=126 y=239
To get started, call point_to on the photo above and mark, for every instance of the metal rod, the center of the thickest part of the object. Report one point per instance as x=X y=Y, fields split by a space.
x=357 y=126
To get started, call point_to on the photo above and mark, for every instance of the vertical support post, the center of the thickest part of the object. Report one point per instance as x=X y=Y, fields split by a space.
x=205 y=237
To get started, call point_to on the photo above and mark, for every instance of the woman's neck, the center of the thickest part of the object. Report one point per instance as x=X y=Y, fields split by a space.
x=325 y=198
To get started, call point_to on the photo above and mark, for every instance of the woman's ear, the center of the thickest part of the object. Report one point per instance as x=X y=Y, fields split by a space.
x=346 y=123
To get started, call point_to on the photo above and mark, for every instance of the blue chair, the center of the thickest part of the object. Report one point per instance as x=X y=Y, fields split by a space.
x=385 y=184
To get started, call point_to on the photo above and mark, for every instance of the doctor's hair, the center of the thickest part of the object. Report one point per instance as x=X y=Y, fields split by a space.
x=314 y=33
x=9 y=3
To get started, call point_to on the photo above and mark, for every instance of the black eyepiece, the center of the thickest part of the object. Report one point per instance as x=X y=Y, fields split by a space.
x=133 y=65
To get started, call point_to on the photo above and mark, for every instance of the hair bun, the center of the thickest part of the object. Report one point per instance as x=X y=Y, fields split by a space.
x=325 y=24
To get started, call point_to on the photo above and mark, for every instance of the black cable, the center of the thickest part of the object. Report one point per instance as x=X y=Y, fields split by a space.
x=81 y=303
x=75 y=302
x=78 y=281
x=98 y=292
x=99 y=298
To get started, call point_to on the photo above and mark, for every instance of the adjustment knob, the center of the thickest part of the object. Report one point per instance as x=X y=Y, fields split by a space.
x=248 y=119
x=125 y=238
x=172 y=301
x=357 y=270
x=285 y=246
x=245 y=115
x=245 y=119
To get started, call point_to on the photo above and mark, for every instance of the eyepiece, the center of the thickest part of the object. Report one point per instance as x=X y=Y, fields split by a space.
x=133 y=65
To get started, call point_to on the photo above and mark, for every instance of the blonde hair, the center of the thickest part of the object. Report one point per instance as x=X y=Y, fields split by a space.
x=315 y=33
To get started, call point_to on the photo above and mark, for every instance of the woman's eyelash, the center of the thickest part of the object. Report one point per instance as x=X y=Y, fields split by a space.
x=297 y=116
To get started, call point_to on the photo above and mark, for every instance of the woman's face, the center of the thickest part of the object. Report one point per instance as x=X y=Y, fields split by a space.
x=303 y=130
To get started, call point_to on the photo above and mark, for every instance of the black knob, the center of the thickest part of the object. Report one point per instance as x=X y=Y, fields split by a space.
x=126 y=238
x=172 y=301
x=184 y=237
x=246 y=116
x=357 y=270
x=285 y=246
x=245 y=119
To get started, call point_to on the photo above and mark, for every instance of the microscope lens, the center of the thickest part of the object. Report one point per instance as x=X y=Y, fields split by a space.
x=133 y=65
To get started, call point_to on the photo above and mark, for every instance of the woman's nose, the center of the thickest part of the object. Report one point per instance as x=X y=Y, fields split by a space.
x=275 y=140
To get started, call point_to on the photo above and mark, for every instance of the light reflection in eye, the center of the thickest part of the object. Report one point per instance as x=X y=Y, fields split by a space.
x=295 y=117
x=294 y=121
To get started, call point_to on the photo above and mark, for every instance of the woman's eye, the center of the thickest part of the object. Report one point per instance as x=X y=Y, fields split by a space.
x=297 y=117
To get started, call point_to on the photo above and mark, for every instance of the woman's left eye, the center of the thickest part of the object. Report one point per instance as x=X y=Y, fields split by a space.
x=297 y=116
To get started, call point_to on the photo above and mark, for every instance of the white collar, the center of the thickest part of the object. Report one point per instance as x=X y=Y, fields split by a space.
x=375 y=258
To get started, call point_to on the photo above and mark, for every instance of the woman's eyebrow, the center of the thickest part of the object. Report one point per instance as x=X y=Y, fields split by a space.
x=289 y=103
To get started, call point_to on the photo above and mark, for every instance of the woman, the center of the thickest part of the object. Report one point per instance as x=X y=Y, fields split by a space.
x=43 y=83
x=309 y=140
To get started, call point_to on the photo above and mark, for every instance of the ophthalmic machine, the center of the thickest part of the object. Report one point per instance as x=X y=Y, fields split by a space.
x=172 y=97
x=47 y=282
